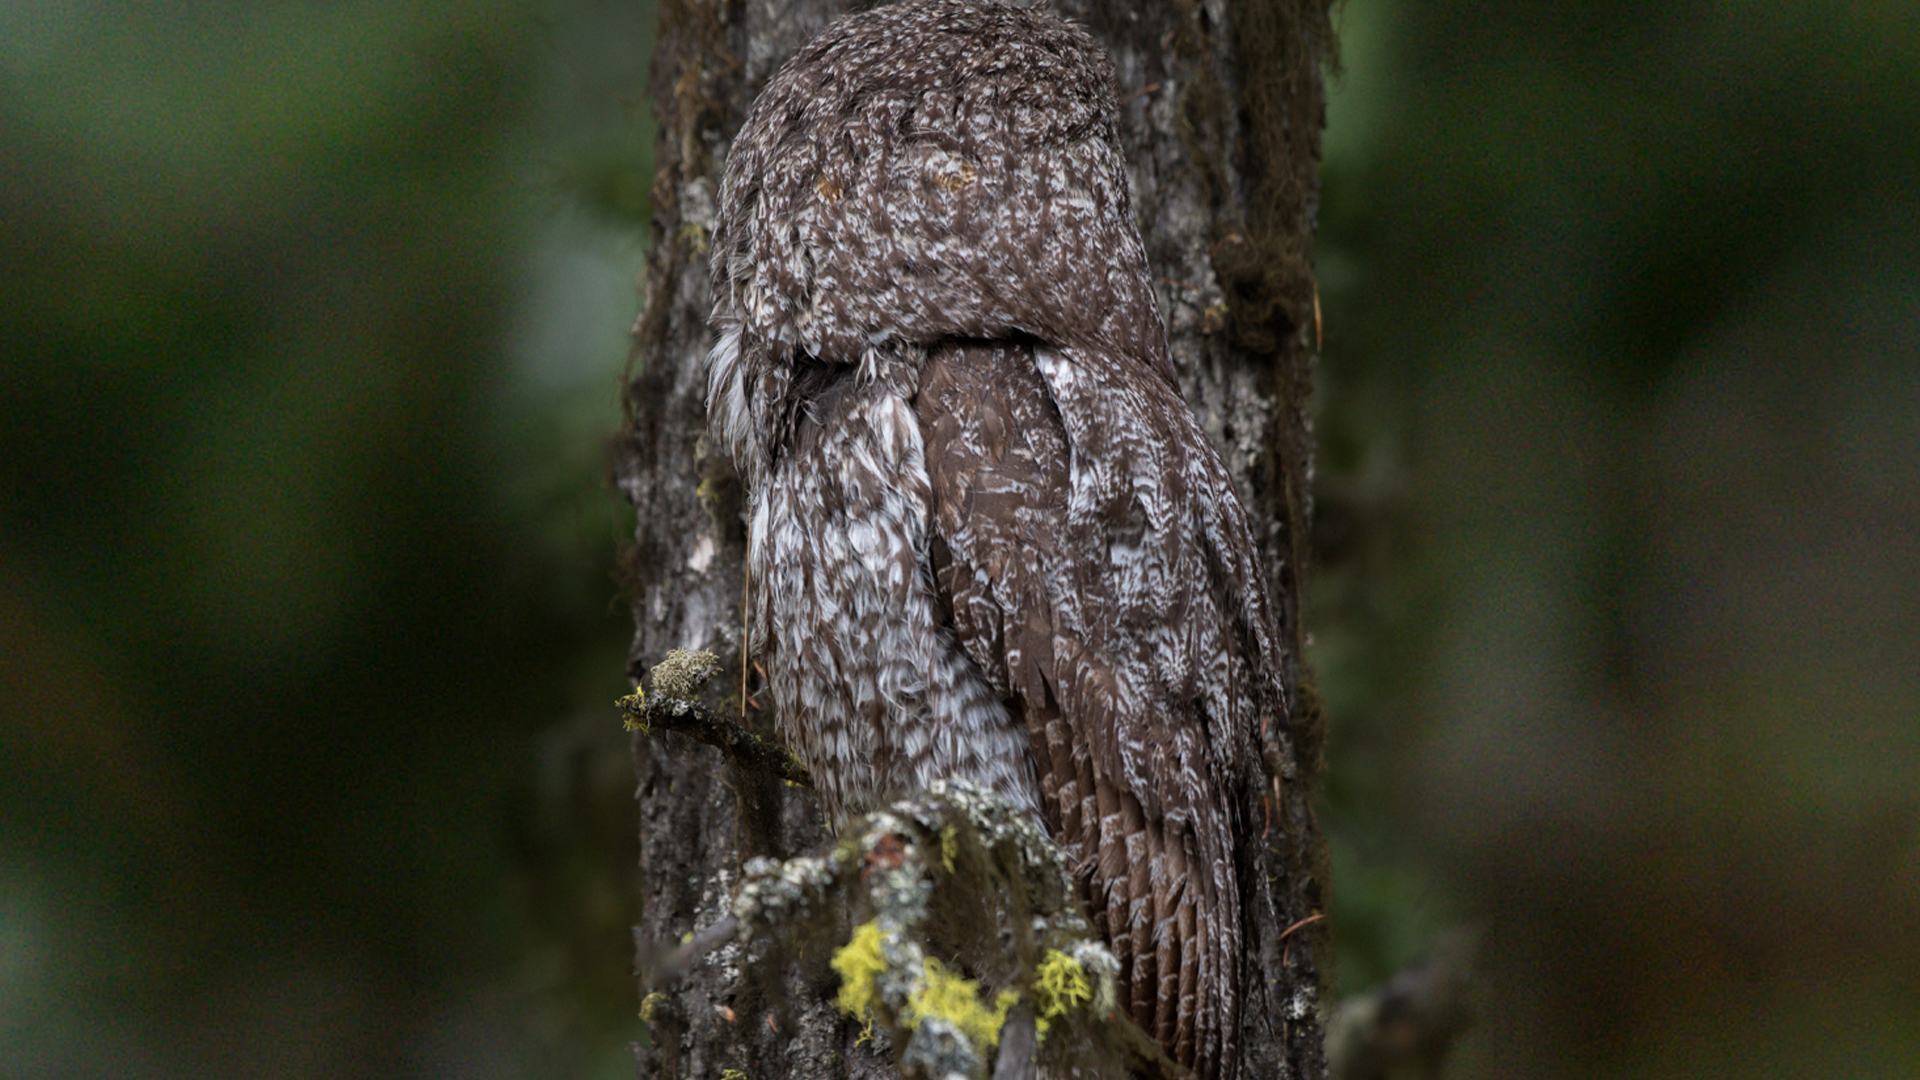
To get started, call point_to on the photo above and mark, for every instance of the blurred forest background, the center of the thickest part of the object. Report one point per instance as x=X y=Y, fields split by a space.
x=311 y=331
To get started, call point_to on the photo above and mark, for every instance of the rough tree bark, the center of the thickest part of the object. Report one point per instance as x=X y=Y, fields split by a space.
x=1222 y=106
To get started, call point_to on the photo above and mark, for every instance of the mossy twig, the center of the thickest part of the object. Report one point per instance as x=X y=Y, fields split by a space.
x=967 y=923
x=967 y=932
x=671 y=707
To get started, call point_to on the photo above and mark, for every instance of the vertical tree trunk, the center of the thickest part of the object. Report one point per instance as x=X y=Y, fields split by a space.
x=1221 y=110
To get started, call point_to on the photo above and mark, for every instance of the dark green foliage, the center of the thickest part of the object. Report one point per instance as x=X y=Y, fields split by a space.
x=306 y=627
x=1617 y=625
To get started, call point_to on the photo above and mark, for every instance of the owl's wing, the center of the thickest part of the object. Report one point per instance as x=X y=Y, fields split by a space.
x=1098 y=568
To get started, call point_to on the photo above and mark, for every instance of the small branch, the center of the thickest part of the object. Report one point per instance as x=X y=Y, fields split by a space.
x=672 y=708
x=724 y=734
x=961 y=901
x=1018 y=1041
x=968 y=943
x=665 y=970
x=1409 y=1023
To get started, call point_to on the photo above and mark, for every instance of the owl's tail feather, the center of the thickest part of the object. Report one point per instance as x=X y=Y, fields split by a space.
x=1162 y=894
x=1196 y=910
x=1165 y=899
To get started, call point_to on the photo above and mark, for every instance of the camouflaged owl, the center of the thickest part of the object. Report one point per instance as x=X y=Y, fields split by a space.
x=987 y=537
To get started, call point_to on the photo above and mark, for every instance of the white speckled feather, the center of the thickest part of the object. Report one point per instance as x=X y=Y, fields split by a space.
x=987 y=536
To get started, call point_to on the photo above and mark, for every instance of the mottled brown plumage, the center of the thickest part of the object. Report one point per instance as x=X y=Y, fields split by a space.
x=987 y=536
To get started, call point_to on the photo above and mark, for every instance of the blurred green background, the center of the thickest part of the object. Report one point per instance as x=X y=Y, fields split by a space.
x=313 y=323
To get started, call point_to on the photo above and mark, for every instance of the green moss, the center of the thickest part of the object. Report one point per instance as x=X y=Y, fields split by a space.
x=634 y=705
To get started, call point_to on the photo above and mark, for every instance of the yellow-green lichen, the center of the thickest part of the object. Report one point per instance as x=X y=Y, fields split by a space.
x=634 y=705
x=949 y=846
x=858 y=962
x=650 y=1006
x=947 y=996
x=733 y=1074
x=1060 y=984
x=939 y=994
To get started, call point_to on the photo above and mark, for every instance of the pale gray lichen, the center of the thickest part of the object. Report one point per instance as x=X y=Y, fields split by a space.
x=775 y=891
x=939 y=1048
x=681 y=675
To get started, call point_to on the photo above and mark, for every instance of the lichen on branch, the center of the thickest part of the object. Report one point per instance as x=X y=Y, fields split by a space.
x=963 y=912
x=674 y=706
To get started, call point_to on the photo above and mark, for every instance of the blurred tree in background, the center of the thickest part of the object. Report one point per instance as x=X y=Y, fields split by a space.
x=310 y=339
x=314 y=319
x=1621 y=427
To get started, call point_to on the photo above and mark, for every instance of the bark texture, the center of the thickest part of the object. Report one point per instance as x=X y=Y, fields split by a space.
x=1221 y=114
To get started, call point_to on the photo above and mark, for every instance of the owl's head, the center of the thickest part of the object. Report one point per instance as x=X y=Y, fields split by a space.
x=930 y=170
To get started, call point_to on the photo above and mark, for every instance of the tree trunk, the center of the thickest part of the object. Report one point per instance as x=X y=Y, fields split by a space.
x=1221 y=110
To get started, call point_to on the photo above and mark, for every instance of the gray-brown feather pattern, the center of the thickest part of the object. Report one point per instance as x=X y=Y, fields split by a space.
x=988 y=538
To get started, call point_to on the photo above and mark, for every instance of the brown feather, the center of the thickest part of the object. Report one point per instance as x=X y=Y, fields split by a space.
x=987 y=537
x=997 y=461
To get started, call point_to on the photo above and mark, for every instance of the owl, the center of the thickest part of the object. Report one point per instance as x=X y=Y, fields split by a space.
x=987 y=537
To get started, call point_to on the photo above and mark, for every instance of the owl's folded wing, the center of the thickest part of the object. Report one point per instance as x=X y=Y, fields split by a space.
x=1090 y=553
